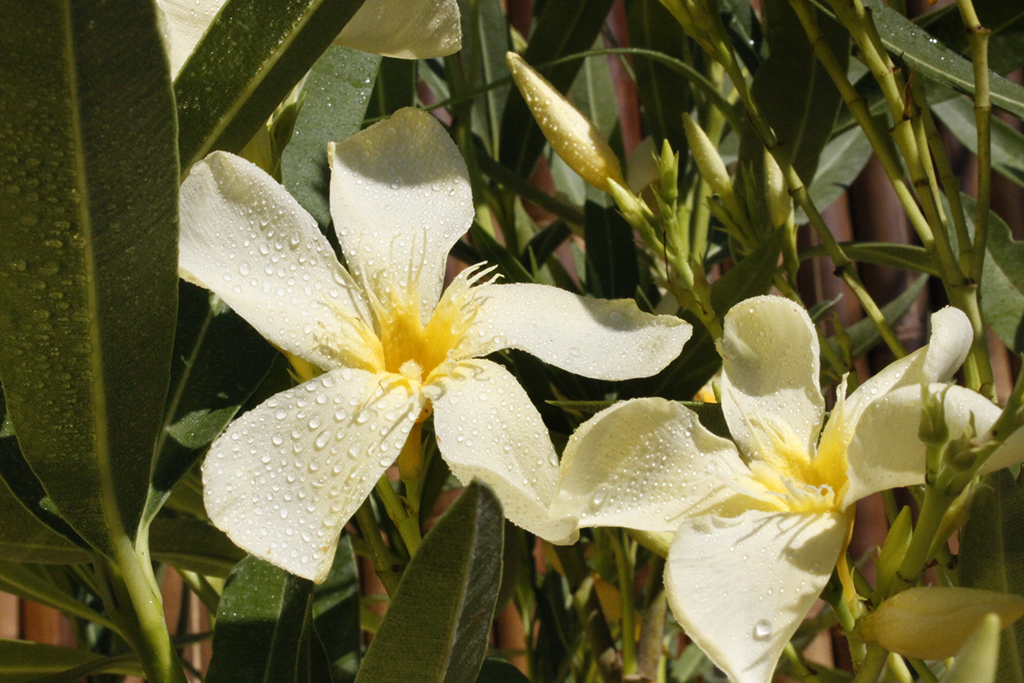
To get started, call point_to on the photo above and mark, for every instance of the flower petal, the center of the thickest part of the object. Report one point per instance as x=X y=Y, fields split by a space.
x=246 y=239
x=597 y=338
x=885 y=451
x=945 y=353
x=772 y=567
x=411 y=29
x=185 y=22
x=487 y=427
x=770 y=363
x=400 y=198
x=285 y=477
x=642 y=464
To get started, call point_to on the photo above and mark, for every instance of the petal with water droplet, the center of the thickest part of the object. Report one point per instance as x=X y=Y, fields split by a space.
x=244 y=237
x=772 y=567
x=642 y=464
x=770 y=372
x=419 y=29
x=400 y=198
x=487 y=427
x=604 y=339
x=281 y=481
x=185 y=22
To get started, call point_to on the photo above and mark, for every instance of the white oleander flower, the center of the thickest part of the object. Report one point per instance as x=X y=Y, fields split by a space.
x=409 y=29
x=285 y=477
x=760 y=521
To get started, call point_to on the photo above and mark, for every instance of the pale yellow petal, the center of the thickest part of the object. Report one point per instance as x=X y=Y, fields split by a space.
x=407 y=29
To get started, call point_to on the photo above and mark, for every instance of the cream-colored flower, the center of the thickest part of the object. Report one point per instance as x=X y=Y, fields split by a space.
x=410 y=29
x=760 y=521
x=285 y=477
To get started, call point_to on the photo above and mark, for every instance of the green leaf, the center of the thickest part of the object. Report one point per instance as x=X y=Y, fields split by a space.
x=193 y=545
x=336 y=613
x=564 y=27
x=219 y=360
x=485 y=40
x=906 y=256
x=23 y=538
x=335 y=95
x=795 y=93
x=863 y=333
x=88 y=278
x=612 y=270
x=1002 y=279
x=394 y=88
x=251 y=56
x=1004 y=19
x=437 y=626
x=22 y=661
x=992 y=557
x=927 y=56
x=494 y=252
x=841 y=161
x=664 y=94
x=30 y=582
x=750 y=277
x=263 y=627
x=496 y=670
x=957 y=114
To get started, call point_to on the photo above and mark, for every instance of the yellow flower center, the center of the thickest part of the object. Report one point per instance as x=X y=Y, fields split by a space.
x=785 y=477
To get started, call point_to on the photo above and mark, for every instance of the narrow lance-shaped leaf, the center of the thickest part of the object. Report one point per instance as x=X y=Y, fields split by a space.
x=336 y=613
x=992 y=557
x=437 y=626
x=262 y=626
x=252 y=55
x=88 y=280
x=335 y=96
x=22 y=661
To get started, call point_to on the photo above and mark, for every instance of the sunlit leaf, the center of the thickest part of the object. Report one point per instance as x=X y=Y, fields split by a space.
x=438 y=623
x=252 y=55
x=88 y=279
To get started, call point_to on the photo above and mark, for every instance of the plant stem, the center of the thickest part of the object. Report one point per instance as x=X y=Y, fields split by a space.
x=385 y=563
x=625 y=575
x=408 y=525
x=871 y=667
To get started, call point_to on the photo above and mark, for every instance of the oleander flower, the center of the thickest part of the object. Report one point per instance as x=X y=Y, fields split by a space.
x=285 y=477
x=760 y=521
x=410 y=29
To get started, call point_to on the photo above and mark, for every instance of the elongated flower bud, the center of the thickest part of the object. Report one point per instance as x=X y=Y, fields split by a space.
x=709 y=163
x=571 y=134
x=780 y=203
x=933 y=623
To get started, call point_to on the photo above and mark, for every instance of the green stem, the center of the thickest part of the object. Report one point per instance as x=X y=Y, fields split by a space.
x=933 y=508
x=799 y=668
x=385 y=563
x=923 y=672
x=408 y=525
x=624 y=570
x=872 y=665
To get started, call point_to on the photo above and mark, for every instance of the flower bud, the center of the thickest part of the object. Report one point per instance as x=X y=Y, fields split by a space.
x=978 y=660
x=780 y=203
x=933 y=623
x=933 y=429
x=897 y=541
x=712 y=168
x=573 y=137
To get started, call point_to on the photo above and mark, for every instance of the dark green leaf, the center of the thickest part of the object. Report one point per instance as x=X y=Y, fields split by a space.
x=564 y=27
x=335 y=95
x=957 y=114
x=863 y=333
x=22 y=661
x=30 y=582
x=88 y=281
x=904 y=256
x=612 y=270
x=251 y=56
x=336 y=613
x=925 y=55
x=1005 y=20
x=664 y=94
x=497 y=670
x=394 y=88
x=485 y=40
x=262 y=626
x=193 y=545
x=795 y=93
x=23 y=538
x=494 y=252
x=841 y=161
x=219 y=360
x=992 y=557
x=750 y=277
x=1002 y=279
x=437 y=626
